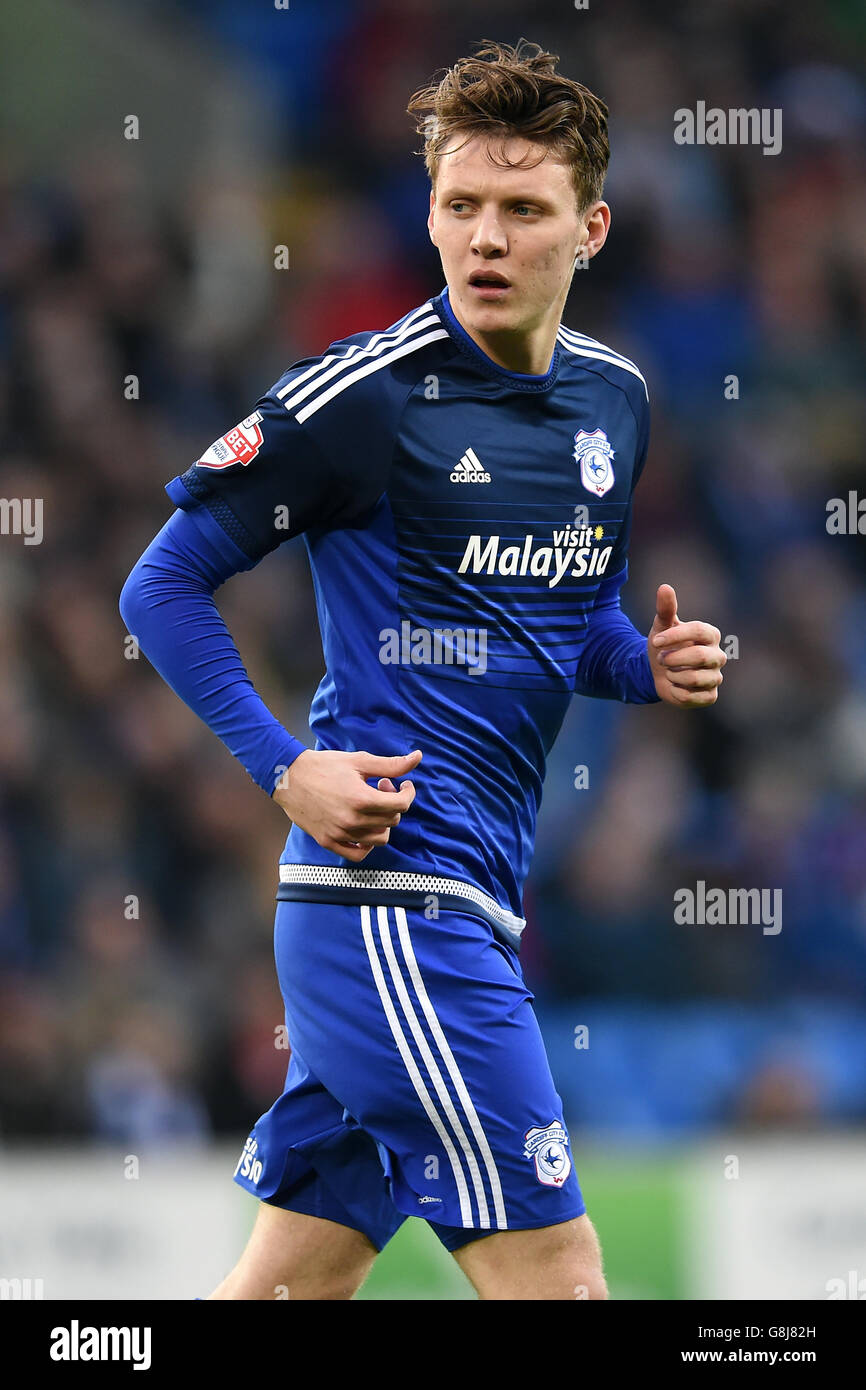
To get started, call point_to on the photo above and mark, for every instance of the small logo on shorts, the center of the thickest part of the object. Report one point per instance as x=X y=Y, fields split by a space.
x=423 y=1200
x=548 y=1145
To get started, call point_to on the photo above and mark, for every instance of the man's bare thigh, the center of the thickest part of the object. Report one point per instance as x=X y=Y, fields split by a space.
x=553 y=1262
x=291 y=1255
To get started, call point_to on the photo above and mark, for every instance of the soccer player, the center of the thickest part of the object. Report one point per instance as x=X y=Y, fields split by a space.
x=463 y=481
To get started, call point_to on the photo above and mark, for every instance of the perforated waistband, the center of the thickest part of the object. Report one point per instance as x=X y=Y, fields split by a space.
x=391 y=887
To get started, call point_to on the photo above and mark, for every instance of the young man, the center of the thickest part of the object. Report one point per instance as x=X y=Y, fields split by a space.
x=463 y=481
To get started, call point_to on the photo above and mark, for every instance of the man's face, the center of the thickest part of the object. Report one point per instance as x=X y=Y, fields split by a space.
x=521 y=225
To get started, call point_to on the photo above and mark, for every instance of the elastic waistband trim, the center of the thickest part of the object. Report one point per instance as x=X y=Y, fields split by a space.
x=307 y=882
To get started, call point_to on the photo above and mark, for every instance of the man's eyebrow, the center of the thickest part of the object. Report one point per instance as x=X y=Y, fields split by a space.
x=458 y=192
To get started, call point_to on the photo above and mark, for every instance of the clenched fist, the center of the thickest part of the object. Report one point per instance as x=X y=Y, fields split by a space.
x=685 y=658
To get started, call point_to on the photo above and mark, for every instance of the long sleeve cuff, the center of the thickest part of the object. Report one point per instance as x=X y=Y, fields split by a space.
x=614 y=662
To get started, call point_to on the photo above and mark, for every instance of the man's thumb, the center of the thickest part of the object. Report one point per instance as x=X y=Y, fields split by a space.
x=666 y=607
x=370 y=765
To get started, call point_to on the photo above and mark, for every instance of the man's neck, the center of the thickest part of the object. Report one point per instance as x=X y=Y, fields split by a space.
x=529 y=352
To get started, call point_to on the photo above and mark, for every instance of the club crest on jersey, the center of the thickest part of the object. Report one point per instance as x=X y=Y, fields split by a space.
x=548 y=1145
x=594 y=454
x=240 y=445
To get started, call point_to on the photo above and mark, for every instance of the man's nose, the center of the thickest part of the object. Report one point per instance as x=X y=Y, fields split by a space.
x=489 y=236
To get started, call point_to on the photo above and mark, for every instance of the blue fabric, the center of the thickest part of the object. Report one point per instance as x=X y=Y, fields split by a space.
x=436 y=492
x=614 y=663
x=418 y=1083
x=167 y=604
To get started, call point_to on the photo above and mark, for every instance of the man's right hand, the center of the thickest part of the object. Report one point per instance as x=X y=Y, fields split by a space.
x=326 y=794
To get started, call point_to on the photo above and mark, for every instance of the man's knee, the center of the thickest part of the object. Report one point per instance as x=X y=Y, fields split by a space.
x=552 y=1262
x=579 y=1240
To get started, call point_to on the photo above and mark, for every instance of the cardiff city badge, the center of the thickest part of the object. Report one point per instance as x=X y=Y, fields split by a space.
x=240 y=445
x=594 y=454
x=548 y=1145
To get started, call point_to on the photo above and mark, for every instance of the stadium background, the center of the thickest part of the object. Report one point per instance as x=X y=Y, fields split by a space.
x=151 y=1038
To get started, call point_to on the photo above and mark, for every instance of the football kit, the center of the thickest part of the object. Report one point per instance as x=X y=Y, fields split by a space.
x=467 y=530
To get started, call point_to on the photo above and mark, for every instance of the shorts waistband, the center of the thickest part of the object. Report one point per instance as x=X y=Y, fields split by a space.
x=392 y=887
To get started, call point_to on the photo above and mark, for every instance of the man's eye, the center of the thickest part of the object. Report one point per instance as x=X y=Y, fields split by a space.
x=524 y=207
x=457 y=207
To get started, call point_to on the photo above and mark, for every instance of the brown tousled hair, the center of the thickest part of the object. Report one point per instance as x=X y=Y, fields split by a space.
x=504 y=92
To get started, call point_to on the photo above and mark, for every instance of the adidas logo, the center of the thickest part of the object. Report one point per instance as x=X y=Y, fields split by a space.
x=470 y=469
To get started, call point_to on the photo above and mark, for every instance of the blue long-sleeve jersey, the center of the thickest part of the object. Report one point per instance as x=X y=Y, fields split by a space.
x=467 y=529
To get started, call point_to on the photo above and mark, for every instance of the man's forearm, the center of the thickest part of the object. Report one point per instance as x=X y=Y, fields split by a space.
x=167 y=604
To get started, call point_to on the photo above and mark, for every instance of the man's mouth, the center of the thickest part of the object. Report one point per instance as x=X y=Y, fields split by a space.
x=489 y=284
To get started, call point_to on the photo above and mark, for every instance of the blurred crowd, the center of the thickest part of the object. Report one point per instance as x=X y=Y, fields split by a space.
x=138 y=1001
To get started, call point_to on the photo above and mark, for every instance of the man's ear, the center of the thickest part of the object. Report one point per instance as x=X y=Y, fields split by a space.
x=430 y=216
x=598 y=226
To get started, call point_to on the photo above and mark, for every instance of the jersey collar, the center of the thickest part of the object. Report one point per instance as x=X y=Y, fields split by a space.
x=521 y=381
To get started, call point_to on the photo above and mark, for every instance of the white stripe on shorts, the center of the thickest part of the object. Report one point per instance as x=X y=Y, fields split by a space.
x=411 y=1067
x=432 y=1068
x=453 y=1069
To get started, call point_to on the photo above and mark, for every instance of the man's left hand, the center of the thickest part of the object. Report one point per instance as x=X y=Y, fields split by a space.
x=685 y=658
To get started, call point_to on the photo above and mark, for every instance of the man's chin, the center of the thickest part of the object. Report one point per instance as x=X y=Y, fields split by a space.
x=493 y=314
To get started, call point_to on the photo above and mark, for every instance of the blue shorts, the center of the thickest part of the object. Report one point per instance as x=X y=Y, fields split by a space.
x=418 y=1083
